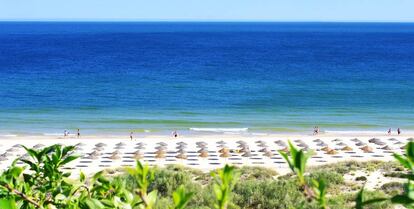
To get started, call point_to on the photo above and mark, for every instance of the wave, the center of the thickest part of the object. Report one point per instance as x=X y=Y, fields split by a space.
x=220 y=130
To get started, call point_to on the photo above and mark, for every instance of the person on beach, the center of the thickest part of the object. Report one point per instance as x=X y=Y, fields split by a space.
x=175 y=134
x=389 y=131
x=130 y=135
x=65 y=133
x=399 y=131
x=316 y=130
x=78 y=133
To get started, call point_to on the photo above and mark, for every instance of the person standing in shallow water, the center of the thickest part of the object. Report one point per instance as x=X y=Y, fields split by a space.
x=78 y=133
x=389 y=131
x=130 y=135
x=399 y=131
x=175 y=134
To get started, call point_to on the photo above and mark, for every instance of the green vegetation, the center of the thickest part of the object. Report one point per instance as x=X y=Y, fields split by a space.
x=41 y=183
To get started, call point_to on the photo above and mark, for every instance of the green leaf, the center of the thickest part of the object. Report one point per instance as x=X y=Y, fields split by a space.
x=7 y=204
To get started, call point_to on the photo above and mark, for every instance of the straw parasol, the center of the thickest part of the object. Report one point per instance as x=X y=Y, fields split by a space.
x=225 y=155
x=264 y=149
x=355 y=140
x=17 y=146
x=260 y=142
x=360 y=144
x=162 y=144
x=322 y=144
x=286 y=149
x=346 y=148
x=241 y=142
x=116 y=152
x=181 y=143
x=13 y=149
x=244 y=149
x=203 y=154
x=332 y=152
x=98 y=149
x=268 y=154
x=380 y=143
x=281 y=143
x=3 y=158
x=317 y=140
x=303 y=145
x=221 y=142
x=137 y=155
x=92 y=157
x=223 y=150
x=160 y=152
x=367 y=149
x=80 y=144
x=373 y=140
x=247 y=154
x=325 y=149
x=398 y=142
x=262 y=145
x=410 y=139
x=160 y=148
x=204 y=149
x=181 y=156
x=115 y=157
x=387 y=148
x=182 y=151
x=141 y=144
x=120 y=144
x=392 y=139
x=38 y=146
x=337 y=140
x=341 y=144
x=181 y=147
x=100 y=145
x=160 y=155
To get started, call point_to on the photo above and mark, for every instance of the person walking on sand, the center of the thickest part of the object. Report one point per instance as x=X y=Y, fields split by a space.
x=65 y=133
x=78 y=133
x=389 y=131
x=130 y=135
x=399 y=131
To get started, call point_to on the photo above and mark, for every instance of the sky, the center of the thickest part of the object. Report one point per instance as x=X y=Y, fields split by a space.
x=209 y=10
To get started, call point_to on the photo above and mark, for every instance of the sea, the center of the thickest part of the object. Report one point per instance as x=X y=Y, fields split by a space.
x=202 y=77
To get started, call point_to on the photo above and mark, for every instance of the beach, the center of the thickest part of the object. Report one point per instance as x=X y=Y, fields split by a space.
x=113 y=152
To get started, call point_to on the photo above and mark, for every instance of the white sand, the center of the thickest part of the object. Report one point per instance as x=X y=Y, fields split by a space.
x=213 y=161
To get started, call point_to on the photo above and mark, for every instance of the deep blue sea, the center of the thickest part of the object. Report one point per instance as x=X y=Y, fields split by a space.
x=279 y=77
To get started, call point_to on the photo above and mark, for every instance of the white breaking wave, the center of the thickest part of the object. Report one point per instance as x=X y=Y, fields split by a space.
x=220 y=130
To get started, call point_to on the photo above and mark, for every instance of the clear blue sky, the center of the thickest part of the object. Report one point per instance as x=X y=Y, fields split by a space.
x=213 y=10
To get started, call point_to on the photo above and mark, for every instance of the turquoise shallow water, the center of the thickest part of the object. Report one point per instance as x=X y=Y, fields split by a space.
x=279 y=77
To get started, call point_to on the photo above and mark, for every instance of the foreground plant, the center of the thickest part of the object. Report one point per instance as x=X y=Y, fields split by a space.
x=224 y=181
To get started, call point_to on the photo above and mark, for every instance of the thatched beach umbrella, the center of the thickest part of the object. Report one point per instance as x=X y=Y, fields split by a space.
x=182 y=143
x=373 y=140
x=204 y=149
x=160 y=155
x=13 y=149
x=392 y=139
x=181 y=147
x=221 y=142
x=38 y=146
x=162 y=144
x=325 y=149
x=244 y=149
x=387 y=148
x=367 y=149
x=141 y=144
x=120 y=144
x=341 y=144
x=332 y=152
x=355 y=140
x=303 y=145
x=317 y=140
x=137 y=155
x=80 y=144
x=347 y=148
x=247 y=154
x=182 y=151
x=223 y=150
x=360 y=144
x=17 y=146
x=260 y=142
x=181 y=156
x=241 y=142
x=322 y=144
x=268 y=154
x=98 y=149
x=264 y=149
x=285 y=149
x=160 y=152
x=161 y=148
x=116 y=152
x=115 y=157
x=337 y=140
x=398 y=142
x=3 y=158
x=410 y=139
x=225 y=155
x=281 y=143
x=92 y=157
x=380 y=143
x=100 y=145
x=203 y=154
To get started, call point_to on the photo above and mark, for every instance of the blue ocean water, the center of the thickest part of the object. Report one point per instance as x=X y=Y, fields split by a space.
x=281 y=77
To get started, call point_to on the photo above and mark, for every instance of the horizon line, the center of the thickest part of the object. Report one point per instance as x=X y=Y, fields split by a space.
x=201 y=21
